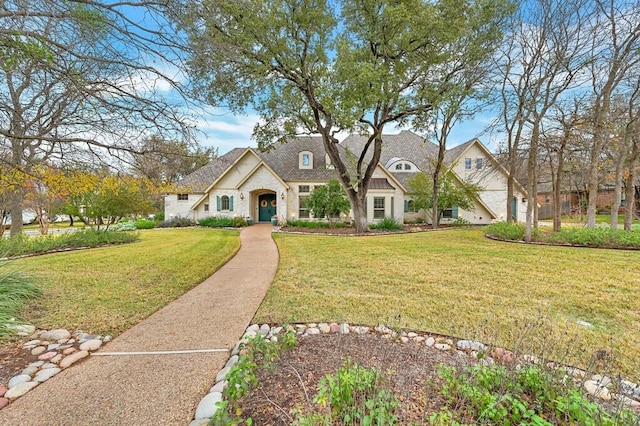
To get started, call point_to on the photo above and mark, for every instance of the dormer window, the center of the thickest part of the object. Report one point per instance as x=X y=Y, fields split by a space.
x=305 y=160
x=400 y=165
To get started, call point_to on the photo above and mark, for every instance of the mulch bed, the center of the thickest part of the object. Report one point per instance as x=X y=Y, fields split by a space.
x=294 y=380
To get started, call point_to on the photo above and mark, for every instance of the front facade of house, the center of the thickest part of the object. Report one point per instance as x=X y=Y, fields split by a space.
x=261 y=186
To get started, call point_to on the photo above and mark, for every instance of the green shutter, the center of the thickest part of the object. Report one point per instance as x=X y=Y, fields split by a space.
x=406 y=206
x=218 y=203
x=231 y=203
x=454 y=212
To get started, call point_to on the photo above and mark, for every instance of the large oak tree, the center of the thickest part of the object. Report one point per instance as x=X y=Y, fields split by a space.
x=320 y=67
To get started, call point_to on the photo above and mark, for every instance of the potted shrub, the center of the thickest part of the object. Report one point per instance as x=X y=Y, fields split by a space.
x=274 y=220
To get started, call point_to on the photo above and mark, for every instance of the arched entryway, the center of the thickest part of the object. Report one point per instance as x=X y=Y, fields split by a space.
x=267 y=207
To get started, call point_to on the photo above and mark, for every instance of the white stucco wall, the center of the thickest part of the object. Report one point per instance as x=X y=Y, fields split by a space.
x=179 y=208
x=262 y=181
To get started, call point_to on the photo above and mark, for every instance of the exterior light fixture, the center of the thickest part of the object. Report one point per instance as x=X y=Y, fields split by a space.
x=241 y=196
x=282 y=195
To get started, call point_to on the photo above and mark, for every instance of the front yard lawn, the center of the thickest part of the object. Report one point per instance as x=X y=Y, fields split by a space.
x=457 y=282
x=108 y=290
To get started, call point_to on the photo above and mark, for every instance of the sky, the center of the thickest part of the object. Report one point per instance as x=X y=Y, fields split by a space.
x=223 y=130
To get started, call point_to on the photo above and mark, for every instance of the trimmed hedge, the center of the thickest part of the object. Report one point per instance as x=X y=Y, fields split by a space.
x=223 y=222
x=590 y=237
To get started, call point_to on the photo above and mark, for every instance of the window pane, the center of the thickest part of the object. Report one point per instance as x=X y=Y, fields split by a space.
x=407 y=166
x=378 y=207
x=305 y=159
x=447 y=213
x=398 y=166
x=478 y=163
x=303 y=211
x=206 y=207
x=303 y=189
x=183 y=197
x=467 y=163
x=224 y=203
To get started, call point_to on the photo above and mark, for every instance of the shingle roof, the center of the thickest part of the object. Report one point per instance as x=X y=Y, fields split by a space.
x=200 y=180
x=283 y=160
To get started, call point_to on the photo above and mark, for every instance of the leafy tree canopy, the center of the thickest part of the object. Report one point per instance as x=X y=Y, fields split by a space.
x=328 y=201
x=452 y=192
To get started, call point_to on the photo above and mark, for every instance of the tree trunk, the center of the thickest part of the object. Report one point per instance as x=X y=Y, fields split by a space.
x=359 y=212
x=630 y=208
x=15 y=206
x=617 y=194
x=70 y=220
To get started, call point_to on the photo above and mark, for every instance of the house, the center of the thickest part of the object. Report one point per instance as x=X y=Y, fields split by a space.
x=260 y=185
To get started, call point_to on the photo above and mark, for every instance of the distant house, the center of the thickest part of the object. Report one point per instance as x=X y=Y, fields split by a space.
x=247 y=183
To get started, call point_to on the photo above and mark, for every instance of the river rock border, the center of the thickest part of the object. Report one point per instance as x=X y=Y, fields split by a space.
x=596 y=385
x=56 y=350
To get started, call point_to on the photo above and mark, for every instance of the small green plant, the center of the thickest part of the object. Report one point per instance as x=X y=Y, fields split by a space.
x=387 y=224
x=529 y=396
x=176 y=222
x=307 y=224
x=144 y=224
x=15 y=290
x=506 y=231
x=223 y=222
x=354 y=395
x=124 y=226
x=460 y=222
x=257 y=352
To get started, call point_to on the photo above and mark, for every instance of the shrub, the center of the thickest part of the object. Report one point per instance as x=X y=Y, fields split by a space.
x=124 y=226
x=15 y=290
x=388 y=223
x=241 y=378
x=88 y=237
x=307 y=224
x=530 y=395
x=355 y=396
x=144 y=224
x=223 y=222
x=176 y=222
x=460 y=222
x=506 y=231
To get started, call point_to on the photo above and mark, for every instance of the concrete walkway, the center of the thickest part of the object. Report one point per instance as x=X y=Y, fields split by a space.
x=160 y=389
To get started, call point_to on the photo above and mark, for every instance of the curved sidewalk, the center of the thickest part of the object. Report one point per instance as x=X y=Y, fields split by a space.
x=160 y=389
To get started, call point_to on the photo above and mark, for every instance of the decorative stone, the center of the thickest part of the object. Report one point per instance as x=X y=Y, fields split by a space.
x=19 y=390
x=62 y=341
x=57 y=334
x=344 y=328
x=412 y=335
x=334 y=328
x=47 y=356
x=264 y=329
x=312 y=330
x=232 y=360
x=502 y=355
x=22 y=329
x=16 y=380
x=53 y=346
x=442 y=346
x=29 y=371
x=404 y=339
x=419 y=339
x=49 y=365
x=630 y=389
x=38 y=350
x=626 y=400
x=222 y=374
x=73 y=358
x=361 y=329
x=430 y=341
x=91 y=345
x=207 y=406
x=253 y=327
x=3 y=403
x=199 y=422
x=36 y=364
x=471 y=345
x=69 y=351
x=107 y=339
x=3 y=390
x=46 y=374
x=35 y=342
x=250 y=334
x=325 y=329
x=312 y=325
x=601 y=380
x=584 y=324
x=593 y=388
x=219 y=387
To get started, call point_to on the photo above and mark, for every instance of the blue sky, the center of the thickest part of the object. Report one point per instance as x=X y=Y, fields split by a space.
x=225 y=131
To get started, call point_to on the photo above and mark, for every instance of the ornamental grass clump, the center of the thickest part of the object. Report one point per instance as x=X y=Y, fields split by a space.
x=506 y=231
x=15 y=290
x=24 y=245
x=387 y=224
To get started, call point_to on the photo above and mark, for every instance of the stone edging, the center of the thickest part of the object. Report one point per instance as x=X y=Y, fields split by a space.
x=597 y=385
x=56 y=350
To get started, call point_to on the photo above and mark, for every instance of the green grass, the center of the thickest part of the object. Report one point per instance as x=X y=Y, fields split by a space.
x=459 y=283
x=16 y=289
x=108 y=290
x=600 y=218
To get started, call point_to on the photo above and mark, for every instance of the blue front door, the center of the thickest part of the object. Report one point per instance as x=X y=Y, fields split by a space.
x=267 y=207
